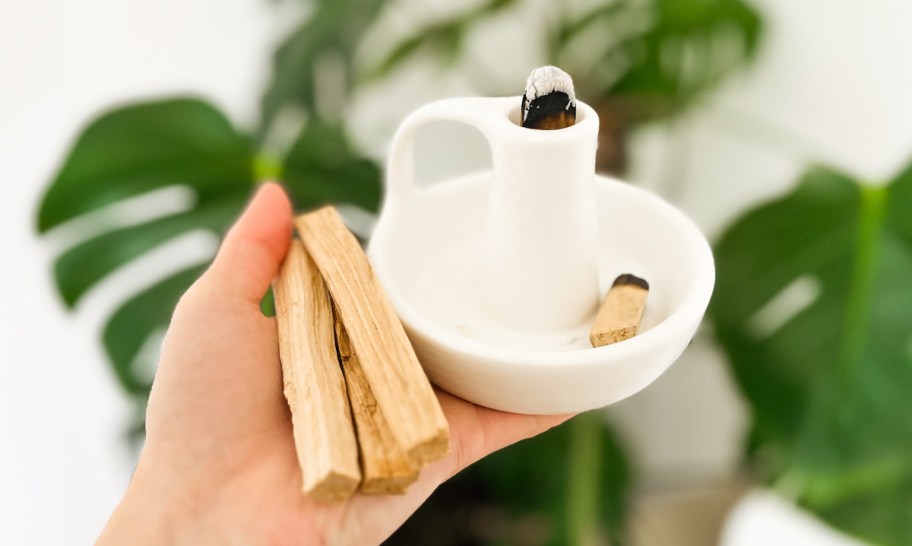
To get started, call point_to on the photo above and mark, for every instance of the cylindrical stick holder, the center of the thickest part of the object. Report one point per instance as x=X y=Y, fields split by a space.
x=538 y=268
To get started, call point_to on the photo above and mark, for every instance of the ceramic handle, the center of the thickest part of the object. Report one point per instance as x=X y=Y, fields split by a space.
x=538 y=268
x=481 y=113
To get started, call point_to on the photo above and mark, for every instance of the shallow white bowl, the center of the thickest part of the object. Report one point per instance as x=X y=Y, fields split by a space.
x=638 y=233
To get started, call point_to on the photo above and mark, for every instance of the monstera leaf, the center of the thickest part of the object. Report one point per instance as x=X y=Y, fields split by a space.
x=442 y=38
x=183 y=143
x=657 y=55
x=324 y=41
x=322 y=167
x=128 y=152
x=813 y=305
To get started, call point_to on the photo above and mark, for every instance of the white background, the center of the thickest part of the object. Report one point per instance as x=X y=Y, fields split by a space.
x=63 y=458
x=832 y=85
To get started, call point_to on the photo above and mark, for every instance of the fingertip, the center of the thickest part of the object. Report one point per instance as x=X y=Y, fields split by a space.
x=255 y=246
x=269 y=217
x=275 y=194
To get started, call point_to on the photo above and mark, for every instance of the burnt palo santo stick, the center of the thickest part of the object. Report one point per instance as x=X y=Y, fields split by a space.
x=548 y=101
x=620 y=314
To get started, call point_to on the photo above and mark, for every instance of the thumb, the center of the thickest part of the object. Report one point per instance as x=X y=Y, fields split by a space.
x=253 y=249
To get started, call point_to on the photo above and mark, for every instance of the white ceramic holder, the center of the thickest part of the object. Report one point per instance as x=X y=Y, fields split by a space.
x=496 y=276
x=540 y=269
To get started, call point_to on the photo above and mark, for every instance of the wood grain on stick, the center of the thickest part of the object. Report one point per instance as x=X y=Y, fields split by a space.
x=314 y=386
x=403 y=393
x=620 y=314
x=384 y=465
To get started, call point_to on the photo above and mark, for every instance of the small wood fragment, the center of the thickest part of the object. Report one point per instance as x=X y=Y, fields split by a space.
x=620 y=314
x=384 y=466
x=314 y=386
x=403 y=393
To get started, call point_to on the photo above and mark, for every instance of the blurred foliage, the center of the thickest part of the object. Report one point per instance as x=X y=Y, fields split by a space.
x=829 y=380
x=325 y=40
x=645 y=60
x=183 y=143
x=634 y=60
x=126 y=153
x=443 y=39
x=657 y=56
x=530 y=494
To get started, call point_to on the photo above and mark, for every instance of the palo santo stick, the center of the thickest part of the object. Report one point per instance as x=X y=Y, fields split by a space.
x=403 y=393
x=384 y=466
x=548 y=101
x=323 y=431
x=619 y=317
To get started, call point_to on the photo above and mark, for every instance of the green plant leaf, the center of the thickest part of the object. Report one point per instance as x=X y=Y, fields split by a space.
x=127 y=152
x=658 y=55
x=183 y=143
x=144 y=314
x=132 y=150
x=573 y=475
x=322 y=167
x=443 y=39
x=813 y=305
x=82 y=266
x=136 y=149
x=528 y=493
x=333 y=30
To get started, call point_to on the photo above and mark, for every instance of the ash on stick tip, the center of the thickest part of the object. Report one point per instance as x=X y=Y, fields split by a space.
x=548 y=101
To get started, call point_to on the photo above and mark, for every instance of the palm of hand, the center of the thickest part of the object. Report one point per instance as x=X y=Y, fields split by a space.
x=220 y=454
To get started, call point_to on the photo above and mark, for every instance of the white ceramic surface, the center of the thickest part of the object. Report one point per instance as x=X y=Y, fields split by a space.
x=431 y=251
x=542 y=206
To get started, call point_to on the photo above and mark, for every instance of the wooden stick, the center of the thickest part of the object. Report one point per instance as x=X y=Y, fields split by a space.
x=384 y=466
x=323 y=431
x=620 y=314
x=403 y=393
x=548 y=101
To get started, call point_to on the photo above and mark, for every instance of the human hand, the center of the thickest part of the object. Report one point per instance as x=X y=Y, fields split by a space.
x=219 y=464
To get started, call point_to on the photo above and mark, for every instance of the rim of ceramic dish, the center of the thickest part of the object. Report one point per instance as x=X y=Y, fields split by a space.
x=685 y=317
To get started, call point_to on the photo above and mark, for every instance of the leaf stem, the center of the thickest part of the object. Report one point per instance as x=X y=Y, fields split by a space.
x=870 y=224
x=266 y=167
x=583 y=465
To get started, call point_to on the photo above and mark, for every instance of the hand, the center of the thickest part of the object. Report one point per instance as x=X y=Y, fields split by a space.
x=219 y=465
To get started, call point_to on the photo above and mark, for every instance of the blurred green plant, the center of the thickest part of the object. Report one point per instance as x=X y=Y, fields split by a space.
x=530 y=493
x=813 y=306
x=637 y=61
x=187 y=143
